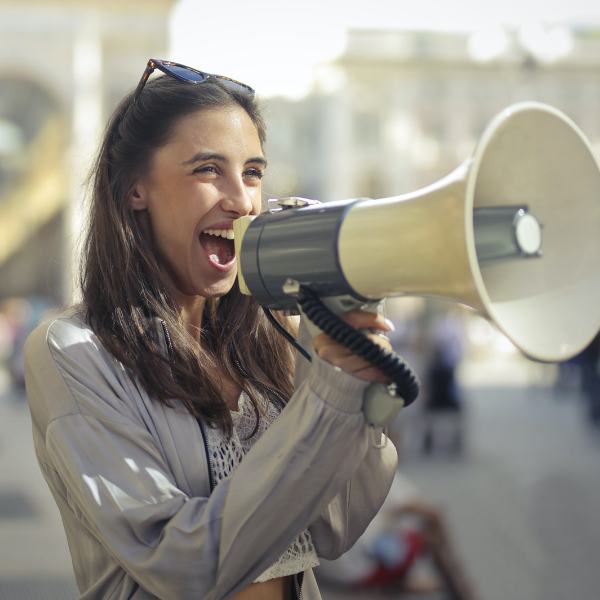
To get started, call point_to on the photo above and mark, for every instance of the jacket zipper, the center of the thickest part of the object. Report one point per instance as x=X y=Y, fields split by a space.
x=169 y=343
x=201 y=423
x=297 y=589
x=279 y=401
x=211 y=472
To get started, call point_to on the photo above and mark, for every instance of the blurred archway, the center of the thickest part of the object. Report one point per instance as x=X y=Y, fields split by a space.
x=33 y=189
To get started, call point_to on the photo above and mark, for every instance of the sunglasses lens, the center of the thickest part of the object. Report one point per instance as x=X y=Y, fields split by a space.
x=185 y=73
x=236 y=86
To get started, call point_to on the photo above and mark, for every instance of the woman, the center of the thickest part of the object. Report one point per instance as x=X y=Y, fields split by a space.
x=146 y=398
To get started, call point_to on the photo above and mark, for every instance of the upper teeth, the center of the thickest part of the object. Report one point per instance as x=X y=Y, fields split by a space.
x=226 y=233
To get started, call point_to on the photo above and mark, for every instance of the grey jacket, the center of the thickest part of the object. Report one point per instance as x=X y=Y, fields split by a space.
x=131 y=479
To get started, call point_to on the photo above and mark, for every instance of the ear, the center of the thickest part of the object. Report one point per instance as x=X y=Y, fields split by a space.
x=139 y=198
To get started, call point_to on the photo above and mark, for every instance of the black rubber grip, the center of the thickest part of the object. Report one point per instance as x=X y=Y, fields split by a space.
x=406 y=380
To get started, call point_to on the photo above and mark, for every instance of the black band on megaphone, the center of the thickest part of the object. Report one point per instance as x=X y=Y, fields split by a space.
x=406 y=380
x=299 y=244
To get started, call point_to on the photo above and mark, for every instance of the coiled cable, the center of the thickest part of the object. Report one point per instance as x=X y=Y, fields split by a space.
x=401 y=374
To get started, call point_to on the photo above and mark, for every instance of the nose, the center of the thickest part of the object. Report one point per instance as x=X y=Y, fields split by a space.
x=238 y=198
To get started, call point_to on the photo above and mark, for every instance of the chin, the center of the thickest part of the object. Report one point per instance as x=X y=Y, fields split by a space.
x=217 y=289
x=195 y=287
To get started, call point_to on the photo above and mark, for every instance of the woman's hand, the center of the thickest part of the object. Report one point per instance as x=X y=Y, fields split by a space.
x=339 y=356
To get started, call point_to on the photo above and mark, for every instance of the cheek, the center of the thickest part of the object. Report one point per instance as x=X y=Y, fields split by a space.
x=177 y=214
x=172 y=226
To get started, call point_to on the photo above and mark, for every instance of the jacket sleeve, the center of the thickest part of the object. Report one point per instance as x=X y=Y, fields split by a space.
x=346 y=517
x=121 y=489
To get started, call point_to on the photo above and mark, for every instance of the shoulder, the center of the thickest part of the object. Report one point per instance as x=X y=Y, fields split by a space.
x=59 y=331
x=63 y=335
x=68 y=370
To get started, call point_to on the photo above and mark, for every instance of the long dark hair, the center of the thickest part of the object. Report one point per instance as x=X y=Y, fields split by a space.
x=124 y=289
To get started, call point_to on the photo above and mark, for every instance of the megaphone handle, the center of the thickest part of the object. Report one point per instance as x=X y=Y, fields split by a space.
x=403 y=377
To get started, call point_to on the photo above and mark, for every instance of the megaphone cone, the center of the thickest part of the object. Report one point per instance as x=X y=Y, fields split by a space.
x=473 y=237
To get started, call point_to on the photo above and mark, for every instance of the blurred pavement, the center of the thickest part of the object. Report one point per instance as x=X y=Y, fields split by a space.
x=522 y=502
x=34 y=558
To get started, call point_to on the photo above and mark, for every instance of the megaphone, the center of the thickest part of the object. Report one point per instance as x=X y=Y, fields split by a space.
x=514 y=233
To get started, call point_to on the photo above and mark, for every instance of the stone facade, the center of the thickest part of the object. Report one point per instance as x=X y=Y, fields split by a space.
x=399 y=110
x=65 y=66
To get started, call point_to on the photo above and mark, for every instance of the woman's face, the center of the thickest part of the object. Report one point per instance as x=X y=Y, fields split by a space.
x=208 y=175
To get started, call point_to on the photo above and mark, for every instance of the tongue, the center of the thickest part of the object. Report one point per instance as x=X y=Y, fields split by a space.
x=219 y=250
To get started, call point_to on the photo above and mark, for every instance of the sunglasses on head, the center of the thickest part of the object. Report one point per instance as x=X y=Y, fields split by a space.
x=184 y=73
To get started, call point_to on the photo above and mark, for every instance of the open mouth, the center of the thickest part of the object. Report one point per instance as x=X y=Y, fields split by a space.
x=218 y=245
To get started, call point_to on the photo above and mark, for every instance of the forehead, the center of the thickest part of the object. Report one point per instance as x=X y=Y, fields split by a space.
x=227 y=129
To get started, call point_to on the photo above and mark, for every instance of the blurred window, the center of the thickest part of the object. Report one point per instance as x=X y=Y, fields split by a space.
x=367 y=129
x=24 y=109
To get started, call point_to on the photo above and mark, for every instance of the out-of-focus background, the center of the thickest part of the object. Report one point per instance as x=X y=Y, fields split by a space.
x=362 y=99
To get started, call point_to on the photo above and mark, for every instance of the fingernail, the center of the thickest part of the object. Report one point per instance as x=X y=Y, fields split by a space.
x=390 y=325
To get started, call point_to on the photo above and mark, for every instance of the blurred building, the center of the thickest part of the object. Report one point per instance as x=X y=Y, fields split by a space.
x=65 y=66
x=399 y=110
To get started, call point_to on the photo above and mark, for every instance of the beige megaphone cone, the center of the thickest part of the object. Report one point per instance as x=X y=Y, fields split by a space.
x=514 y=233
x=424 y=244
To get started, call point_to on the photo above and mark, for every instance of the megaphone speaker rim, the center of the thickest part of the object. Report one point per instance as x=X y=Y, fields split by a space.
x=495 y=125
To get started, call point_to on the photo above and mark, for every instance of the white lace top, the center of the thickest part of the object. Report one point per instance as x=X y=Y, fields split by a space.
x=226 y=454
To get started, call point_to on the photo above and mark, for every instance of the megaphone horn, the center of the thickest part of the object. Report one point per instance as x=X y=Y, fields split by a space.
x=514 y=232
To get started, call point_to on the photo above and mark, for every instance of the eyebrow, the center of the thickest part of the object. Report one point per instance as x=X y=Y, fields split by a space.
x=201 y=156
x=258 y=159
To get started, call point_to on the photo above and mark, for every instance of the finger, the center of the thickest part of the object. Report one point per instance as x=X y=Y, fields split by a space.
x=372 y=373
x=381 y=340
x=334 y=353
x=361 y=319
x=359 y=367
x=353 y=365
x=340 y=356
x=323 y=340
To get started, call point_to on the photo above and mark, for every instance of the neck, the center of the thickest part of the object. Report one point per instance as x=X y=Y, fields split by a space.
x=191 y=309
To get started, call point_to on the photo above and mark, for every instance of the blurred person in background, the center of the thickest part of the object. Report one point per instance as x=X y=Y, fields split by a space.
x=189 y=458
x=432 y=337
x=443 y=408
x=6 y=346
x=407 y=339
x=581 y=374
x=405 y=549
x=17 y=324
x=589 y=365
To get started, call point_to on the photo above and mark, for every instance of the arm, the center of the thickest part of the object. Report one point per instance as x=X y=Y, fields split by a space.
x=345 y=519
x=122 y=490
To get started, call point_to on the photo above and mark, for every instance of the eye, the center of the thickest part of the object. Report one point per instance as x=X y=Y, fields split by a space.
x=209 y=169
x=253 y=172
